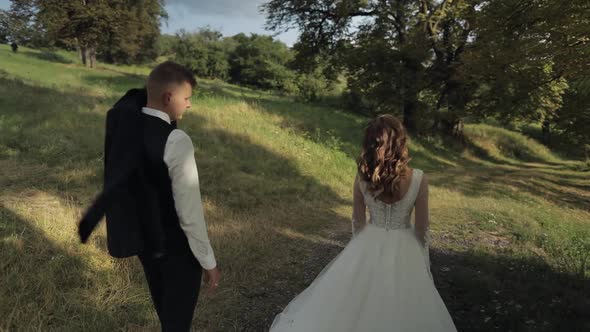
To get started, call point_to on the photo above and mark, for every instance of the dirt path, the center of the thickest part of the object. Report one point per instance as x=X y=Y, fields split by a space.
x=264 y=303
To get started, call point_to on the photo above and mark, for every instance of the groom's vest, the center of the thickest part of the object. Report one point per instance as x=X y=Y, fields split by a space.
x=137 y=195
x=155 y=136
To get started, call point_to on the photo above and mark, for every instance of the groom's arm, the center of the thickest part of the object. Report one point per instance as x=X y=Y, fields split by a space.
x=182 y=169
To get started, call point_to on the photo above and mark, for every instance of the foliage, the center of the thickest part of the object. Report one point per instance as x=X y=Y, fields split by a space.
x=17 y=24
x=116 y=31
x=203 y=52
x=261 y=61
x=573 y=118
x=165 y=44
x=438 y=62
x=4 y=27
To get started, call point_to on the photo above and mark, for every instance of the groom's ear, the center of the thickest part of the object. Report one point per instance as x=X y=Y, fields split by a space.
x=166 y=97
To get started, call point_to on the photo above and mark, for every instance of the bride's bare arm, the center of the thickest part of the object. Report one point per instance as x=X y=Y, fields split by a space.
x=358 y=208
x=422 y=214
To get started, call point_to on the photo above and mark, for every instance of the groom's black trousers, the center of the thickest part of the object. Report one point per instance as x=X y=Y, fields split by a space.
x=174 y=281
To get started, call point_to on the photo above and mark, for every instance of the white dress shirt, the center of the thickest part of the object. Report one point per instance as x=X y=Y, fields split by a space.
x=179 y=156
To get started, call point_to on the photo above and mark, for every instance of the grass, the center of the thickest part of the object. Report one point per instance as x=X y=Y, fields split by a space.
x=510 y=218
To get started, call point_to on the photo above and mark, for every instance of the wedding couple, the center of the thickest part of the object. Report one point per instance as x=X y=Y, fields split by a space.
x=381 y=281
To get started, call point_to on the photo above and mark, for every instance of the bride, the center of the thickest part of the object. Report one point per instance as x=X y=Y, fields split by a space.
x=381 y=281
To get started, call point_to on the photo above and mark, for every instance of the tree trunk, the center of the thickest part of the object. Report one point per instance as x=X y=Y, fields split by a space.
x=409 y=115
x=92 y=55
x=84 y=55
x=409 y=95
x=546 y=132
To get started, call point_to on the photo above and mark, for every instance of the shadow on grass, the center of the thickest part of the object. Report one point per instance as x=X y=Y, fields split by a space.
x=242 y=175
x=325 y=126
x=48 y=126
x=506 y=293
x=559 y=143
x=515 y=155
x=302 y=258
x=48 y=56
x=560 y=189
x=482 y=292
x=118 y=82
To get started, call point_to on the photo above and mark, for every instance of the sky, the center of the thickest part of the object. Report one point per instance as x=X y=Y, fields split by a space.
x=228 y=16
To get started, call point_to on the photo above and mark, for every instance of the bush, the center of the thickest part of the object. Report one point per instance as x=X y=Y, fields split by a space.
x=311 y=87
x=260 y=61
x=203 y=53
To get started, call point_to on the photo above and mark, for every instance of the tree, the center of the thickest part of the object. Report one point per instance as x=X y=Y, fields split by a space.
x=573 y=118
x=132 y=36
x=4 y=27
x=524 y=53
x=261 y=61
x=18 y=23
x=204 y=52
x=117 y=31
x=441 y=60
x=165 y=44
x=386 y=54
x=316 y=77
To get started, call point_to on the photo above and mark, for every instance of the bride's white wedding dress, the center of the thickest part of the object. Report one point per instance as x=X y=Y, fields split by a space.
x=381 y=281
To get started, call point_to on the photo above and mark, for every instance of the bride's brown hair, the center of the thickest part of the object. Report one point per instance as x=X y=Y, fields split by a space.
x=384 y=158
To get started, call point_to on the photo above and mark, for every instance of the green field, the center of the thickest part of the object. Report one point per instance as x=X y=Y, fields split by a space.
x=510 y=218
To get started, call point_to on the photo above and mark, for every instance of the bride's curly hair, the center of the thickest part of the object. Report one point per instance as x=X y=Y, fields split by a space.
x=384 y=158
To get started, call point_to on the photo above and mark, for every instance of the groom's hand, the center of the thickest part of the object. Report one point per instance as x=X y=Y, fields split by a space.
x=211 y=278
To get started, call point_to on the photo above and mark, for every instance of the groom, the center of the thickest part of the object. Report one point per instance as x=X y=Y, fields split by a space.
x=151 y=195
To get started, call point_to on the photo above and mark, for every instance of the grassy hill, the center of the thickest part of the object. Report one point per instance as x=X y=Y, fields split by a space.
x=510 y=218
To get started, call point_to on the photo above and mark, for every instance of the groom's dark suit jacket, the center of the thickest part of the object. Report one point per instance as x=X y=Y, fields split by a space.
x=130 y=200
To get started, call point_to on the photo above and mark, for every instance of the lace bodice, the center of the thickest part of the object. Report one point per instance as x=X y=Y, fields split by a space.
x=395 y=215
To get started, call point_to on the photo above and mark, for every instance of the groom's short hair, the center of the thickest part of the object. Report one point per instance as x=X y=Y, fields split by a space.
x=168 y=73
